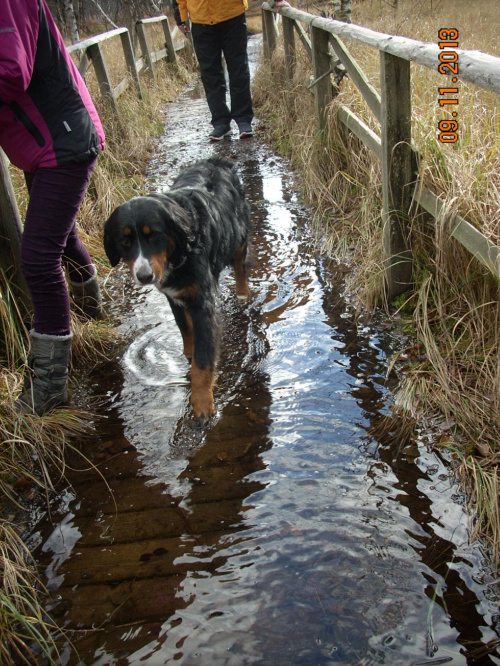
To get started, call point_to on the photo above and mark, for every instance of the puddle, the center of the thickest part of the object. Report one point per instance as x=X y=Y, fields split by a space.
x=284 y=533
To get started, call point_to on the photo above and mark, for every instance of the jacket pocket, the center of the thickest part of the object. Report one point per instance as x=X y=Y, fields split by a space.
x=26 y=121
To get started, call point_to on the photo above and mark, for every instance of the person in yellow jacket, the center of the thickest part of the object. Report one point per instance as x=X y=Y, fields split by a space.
x=219 y=29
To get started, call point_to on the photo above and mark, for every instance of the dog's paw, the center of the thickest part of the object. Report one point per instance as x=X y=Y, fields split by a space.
x=203 y=408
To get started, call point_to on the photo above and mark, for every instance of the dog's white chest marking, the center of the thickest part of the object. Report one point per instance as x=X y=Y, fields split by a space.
x=173 y=294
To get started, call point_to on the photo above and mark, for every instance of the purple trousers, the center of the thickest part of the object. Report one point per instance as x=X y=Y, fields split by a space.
x=50 y=243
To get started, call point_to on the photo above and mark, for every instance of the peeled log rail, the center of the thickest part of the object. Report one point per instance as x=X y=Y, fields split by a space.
x=476 y=67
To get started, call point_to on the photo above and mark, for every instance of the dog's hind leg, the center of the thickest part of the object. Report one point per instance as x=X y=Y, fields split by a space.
x=240 y=273
x=185 y=325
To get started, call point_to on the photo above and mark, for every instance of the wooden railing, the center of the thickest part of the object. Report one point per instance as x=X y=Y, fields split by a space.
x=392 y=109
x=90 y=52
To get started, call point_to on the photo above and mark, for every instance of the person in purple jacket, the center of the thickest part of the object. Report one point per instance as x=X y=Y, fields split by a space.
x=50 y=129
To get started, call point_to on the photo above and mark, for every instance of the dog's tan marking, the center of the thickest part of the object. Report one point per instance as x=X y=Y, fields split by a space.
x=127 y=231
x=146 y=230
x=188 y=293
x=130 y=264
x=202 y=396
x=240 y=274
x=158 y=262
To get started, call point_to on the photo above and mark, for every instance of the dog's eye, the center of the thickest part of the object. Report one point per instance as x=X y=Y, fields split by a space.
x=126 y=242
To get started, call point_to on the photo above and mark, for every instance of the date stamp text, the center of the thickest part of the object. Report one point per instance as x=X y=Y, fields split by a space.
x=448 y=97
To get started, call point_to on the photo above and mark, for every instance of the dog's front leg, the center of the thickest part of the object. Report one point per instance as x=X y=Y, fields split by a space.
x=205 y=338
x=185 y=325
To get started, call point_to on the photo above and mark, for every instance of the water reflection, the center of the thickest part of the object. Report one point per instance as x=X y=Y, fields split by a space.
x=286 y=532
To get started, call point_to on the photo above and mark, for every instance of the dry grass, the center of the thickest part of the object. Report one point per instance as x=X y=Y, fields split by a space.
x=19 y=606
x=454 y=311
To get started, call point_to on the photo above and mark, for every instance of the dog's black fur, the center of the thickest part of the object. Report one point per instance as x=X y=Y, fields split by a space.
x=180 y=241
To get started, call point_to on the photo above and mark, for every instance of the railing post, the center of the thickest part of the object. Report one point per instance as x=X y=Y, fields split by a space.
x=10 y=240
x=101 y=71
x=128 y=52
x=289 y=43
x=146 y=52
x=268 y=24
x=169 y=42
x=397 y=170
x=321 y=65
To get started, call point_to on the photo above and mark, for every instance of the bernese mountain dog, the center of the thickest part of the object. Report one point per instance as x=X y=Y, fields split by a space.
x=180 y=241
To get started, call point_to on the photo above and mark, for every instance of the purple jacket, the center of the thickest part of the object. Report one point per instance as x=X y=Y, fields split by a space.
x=47 y=117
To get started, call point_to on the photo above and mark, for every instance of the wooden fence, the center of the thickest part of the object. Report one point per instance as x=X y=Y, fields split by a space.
x=392 y=109
x=90 y=52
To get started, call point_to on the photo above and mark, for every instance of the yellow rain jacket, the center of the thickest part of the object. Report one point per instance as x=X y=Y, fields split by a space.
x=210 y=12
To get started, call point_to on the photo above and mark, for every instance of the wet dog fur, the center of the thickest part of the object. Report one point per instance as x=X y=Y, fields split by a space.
x=180 y=241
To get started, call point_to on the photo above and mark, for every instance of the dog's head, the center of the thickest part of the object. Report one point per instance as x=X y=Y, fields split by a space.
x=148 y=233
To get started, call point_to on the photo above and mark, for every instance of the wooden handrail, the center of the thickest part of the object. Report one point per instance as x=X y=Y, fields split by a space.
x=395 y=147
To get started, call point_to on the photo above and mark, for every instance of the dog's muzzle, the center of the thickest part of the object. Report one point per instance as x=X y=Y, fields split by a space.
x=143 y=272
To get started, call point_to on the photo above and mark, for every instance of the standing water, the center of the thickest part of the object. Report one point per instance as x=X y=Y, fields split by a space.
x=284 y=532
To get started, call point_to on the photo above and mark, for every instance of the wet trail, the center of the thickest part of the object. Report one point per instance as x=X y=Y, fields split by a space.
x=285 y=532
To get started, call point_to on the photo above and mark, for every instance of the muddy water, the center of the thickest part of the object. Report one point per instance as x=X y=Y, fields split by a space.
x=284 y=532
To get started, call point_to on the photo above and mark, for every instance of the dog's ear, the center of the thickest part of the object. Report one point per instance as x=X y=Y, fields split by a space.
x=109 y=241
x=183 y=226
x=177 y=219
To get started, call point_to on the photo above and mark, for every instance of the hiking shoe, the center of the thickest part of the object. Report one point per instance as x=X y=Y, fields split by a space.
x=219 y=132
x=245 y=130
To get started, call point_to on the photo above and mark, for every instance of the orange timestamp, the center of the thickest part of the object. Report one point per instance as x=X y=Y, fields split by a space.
x=448 y=65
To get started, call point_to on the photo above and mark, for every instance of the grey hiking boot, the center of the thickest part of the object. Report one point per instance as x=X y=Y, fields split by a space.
x=245 y=130
x=45 y=383
x=86 y=298
x=219 y=132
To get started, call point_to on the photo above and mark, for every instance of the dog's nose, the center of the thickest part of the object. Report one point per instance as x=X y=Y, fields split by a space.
x=144 y=276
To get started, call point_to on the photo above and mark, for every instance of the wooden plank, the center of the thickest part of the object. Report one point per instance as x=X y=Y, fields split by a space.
x=306 y=42
x=128 y=52
x=10 y=239
x=289 y=44
x=84 y=64
x=362 y=131
x=321 y=65
x=96 y=39
x=146 y=51
x=397 y=172
x=169 y=42
x=155 y=523
x=476 y=67
x=131 y=494
x=268 y=24
x=131 y=601
x=473 y=240
x=357 y=76
x=143 y=559
x=120 y=88
x=154 y=19
x=159 y=55
x=101 y=71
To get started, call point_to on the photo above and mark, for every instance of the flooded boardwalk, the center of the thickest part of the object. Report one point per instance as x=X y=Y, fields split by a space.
x=284 y=532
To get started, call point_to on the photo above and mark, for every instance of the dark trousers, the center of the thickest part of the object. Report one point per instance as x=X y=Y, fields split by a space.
x=50 y=241
x=228 y=39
